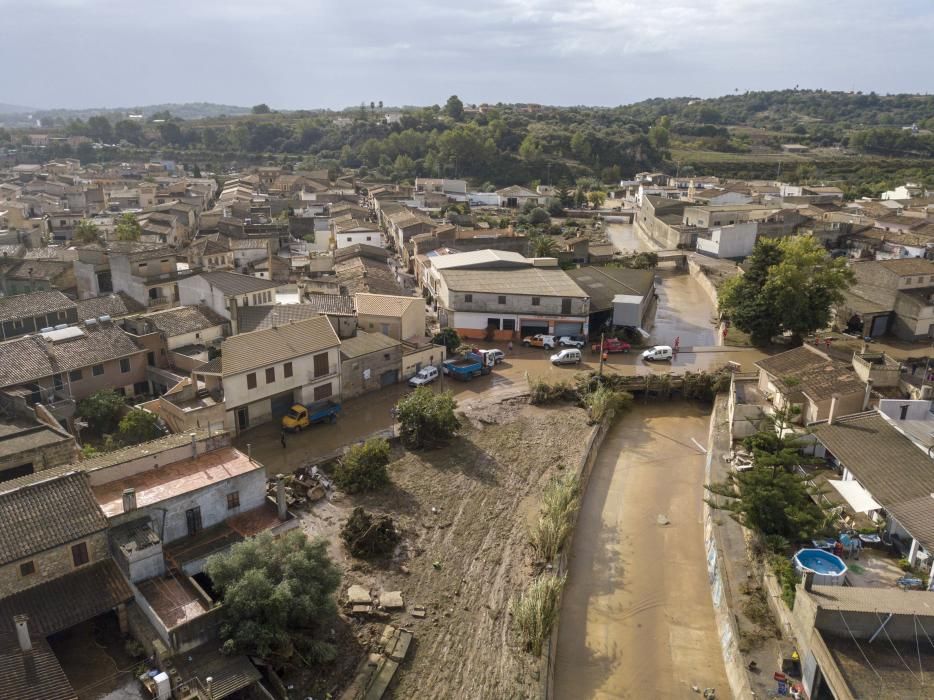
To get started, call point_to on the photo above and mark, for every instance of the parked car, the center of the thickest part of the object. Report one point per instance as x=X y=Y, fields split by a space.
x=540 y=340
x=612 y=345
x=571 y=341
x=568 y=356
x=426 y=375
x=658 y=352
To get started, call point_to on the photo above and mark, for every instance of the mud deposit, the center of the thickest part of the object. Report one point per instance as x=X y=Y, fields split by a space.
x=637 y=618
x=464 y=511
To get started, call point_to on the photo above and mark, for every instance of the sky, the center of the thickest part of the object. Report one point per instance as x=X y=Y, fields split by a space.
x=307 y=54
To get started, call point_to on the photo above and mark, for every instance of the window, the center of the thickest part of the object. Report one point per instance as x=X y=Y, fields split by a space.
x=509 y=324
x=27 y=568
x=323 y=391
x=386 y=356
x=536 y=301
x=287 y=370
x=251 y=380
x=97 y=370
x=321 y=365
x=468 y=298
x=233 y=500
x=74 y=375
x=57 y=382
x=492 y=323
x=502 y=300
x=270 y=375
x=79 y=553
x=125 y=364
x=565 y=306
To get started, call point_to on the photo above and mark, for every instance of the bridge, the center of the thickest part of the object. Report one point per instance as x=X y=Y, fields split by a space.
x=678 y=257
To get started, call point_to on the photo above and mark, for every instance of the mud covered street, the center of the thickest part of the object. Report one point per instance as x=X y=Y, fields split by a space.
x=464 y=512
x=637 y=617
x=684 y=312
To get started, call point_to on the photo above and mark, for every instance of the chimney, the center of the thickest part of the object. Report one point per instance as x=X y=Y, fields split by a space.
x=194 y=445
x=868 y=395
x=209 y=681
x=249 y=451
x=280 y=497
x=833 y=409
x=22 y=632
x=808 y=581
x=129 y=500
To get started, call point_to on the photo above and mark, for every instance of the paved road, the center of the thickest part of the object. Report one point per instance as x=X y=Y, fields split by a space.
x=637 y=618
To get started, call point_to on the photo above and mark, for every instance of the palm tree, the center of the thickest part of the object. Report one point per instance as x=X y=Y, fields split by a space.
x=86 y=232
x=541 y=246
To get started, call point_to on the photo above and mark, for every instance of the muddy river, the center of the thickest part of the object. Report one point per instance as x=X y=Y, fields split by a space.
x=637 y=618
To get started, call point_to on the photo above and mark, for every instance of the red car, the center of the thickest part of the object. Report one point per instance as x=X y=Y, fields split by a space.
x=612 y=345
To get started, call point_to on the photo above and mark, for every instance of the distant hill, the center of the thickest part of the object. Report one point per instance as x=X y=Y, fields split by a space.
x=187 y=110
x=14 y=109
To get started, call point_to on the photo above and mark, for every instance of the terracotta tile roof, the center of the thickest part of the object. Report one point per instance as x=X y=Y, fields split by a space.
x=36 y=675
x=365 y=343
x=233 y=283
x=65 y=601
x=185 y=319
x=115 y=305
x=46 y=513
x=384 y=304
x=795 y=360
x=248 y=351
x=887 y=464
x=24 y=305
x=908 y=266
x=256 y=318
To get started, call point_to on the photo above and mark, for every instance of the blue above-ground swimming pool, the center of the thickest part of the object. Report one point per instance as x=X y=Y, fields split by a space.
x=828 y=569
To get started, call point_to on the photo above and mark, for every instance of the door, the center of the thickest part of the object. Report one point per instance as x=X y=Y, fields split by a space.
x=567 y=328
x=193 y=520
x=879 y=326
x=533 y=328
x=243 y=419
x=280 y=405
x=389 y=377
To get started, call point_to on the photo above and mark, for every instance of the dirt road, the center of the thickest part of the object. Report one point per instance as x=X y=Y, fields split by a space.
x=637 y=618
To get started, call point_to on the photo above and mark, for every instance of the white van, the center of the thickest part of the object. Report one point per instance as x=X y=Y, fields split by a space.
x=658 y=352
x=568 y=356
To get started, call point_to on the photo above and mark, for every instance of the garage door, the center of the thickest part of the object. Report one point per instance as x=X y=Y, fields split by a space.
x=389 y=377
x=281 y=404
x=879 y=324
x=532 y=327
x=567 y=329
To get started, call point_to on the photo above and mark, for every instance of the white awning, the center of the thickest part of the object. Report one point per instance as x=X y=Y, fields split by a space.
x=860 y=500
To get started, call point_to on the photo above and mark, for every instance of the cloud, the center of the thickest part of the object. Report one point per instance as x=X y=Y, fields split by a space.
x=311 y=53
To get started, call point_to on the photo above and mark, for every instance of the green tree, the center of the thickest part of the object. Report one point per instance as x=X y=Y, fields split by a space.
x=195 y=171
x=454 y=108
x=102 y=410
x=138 y=426
x=278 y=596
x=99 y=129
x=580 y=147
x=530 y=148
x=426 y=417
x=128 y=228
x=539 y=216
x=261 y=108
x=449 y=338
x=596 y=198
x=542 y=246
x=363 y=468
x=129 y=130
x=791 y=286
x=86 y=232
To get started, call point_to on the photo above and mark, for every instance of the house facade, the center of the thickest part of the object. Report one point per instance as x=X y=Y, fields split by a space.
x=398 y=317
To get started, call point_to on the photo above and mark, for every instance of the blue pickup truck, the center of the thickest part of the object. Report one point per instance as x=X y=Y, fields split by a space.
x=469 y=365
x=300 y=416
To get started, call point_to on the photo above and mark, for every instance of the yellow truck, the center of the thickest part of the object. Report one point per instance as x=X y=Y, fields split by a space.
x=300 y=416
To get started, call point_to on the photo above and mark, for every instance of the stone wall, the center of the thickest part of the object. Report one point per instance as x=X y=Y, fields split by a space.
x=51 y=564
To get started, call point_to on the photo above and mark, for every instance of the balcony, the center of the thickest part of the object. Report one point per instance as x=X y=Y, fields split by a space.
x=157 y=302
